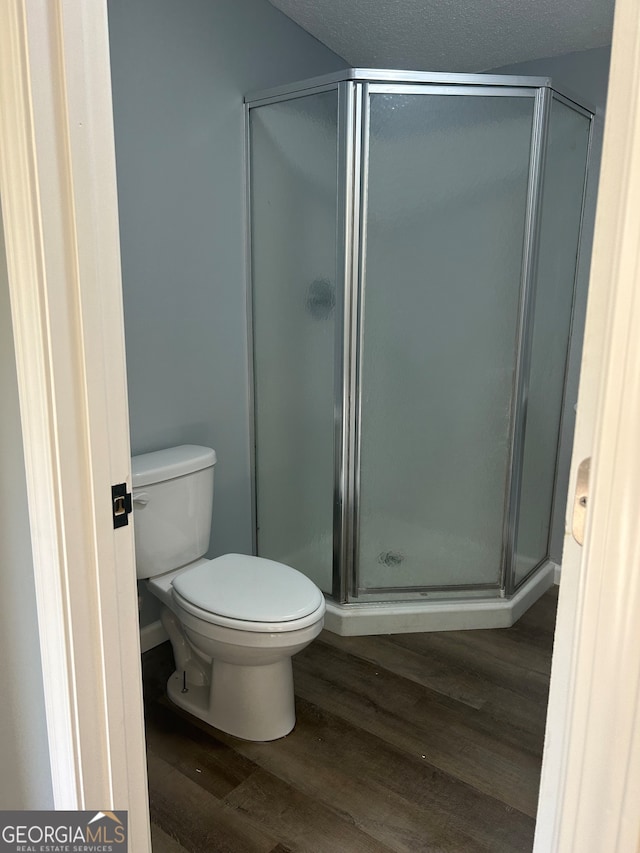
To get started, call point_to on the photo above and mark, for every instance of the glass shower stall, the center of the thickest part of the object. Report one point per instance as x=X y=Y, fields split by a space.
x=413 y=244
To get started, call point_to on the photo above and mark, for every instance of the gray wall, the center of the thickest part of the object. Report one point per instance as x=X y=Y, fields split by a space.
x=585 y=74
x=25 y=779
x=179 y=71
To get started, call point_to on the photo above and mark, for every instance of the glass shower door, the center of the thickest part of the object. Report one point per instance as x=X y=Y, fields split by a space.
x=293 y=167
x=445 y=199
x=561 y=213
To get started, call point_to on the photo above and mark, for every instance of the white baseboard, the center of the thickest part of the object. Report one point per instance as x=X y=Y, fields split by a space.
x=557 y=572
x=152 y=635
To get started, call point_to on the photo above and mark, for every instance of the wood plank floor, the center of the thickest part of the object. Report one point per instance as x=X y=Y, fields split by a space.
x=408 y=742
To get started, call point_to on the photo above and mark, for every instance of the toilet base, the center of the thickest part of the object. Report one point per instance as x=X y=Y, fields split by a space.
x=250 y=702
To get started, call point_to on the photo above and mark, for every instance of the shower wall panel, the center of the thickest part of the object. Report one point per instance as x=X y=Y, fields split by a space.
x=562 y=190
x=293 y=170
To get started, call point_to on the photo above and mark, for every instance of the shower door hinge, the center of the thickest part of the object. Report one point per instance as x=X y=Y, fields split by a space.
x=580 y=501
x=120 y=505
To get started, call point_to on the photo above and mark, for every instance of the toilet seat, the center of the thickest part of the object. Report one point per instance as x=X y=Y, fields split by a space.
x=244 y=624
x=280 y=598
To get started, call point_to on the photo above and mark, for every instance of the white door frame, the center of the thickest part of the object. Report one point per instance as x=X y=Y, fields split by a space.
x=58 y=186
x=590 y=789
x=57 y=178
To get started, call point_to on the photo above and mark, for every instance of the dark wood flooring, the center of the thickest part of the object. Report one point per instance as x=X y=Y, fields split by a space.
x=405 y=742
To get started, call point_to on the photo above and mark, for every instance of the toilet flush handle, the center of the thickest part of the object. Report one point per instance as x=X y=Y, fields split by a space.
x=140 y=498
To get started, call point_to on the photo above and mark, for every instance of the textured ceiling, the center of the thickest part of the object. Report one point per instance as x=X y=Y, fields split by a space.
x=452 y=35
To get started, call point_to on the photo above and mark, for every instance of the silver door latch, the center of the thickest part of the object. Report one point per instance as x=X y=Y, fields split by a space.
x=580 y=501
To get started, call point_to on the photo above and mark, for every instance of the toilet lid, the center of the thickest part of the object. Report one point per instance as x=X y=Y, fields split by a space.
x=247 y=588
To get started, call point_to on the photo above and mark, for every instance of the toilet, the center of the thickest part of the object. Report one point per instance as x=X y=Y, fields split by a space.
x=235 y=621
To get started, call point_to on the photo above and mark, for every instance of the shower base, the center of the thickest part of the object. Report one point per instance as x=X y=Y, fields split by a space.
x=404 y=617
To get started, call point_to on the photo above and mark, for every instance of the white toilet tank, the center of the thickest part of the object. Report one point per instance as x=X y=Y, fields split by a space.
x=172 y=504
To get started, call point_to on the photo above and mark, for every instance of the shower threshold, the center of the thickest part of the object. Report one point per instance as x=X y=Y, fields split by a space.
x=405 y=617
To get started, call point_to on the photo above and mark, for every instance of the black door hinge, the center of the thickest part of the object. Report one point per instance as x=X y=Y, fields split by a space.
x=120 y=504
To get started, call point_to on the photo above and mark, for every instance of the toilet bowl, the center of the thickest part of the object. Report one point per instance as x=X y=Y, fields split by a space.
x=235 y=621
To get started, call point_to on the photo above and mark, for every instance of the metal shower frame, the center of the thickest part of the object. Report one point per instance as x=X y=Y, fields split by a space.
x=354 y=86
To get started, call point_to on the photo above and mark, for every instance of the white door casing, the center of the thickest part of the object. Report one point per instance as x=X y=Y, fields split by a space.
x=590 y=789
x=58 y=185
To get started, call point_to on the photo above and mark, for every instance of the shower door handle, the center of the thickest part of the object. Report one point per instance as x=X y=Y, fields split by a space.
x=580 y=501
